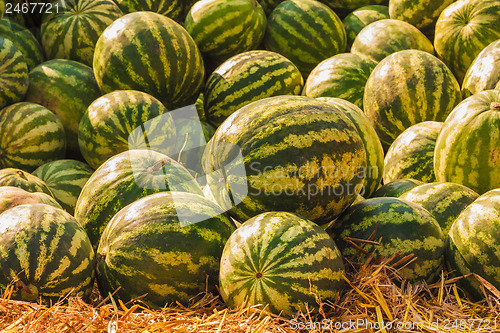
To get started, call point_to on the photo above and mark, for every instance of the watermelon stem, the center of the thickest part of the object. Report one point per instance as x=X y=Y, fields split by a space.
x=158 y=165
x=495 y=106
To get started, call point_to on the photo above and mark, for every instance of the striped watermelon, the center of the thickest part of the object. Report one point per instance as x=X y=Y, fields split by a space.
x=21 y=179
x=31 y=136
x=246 y=78
x=468 y=147
x=399 y=226
x=72 y=31
x=13 y=73
x=24 y=180
x=306 y=32
x=149 y=52
x=374 y=152
x=123 y=179
x=175 y=257
x=170 y=8
x=472 y=244
x=11 y=197
x=484 y=73
x=360 y=18
x=396 y=188
x=224 y=28
x=46 y=253
x=463 y=30
x=110 y=126
x=269 y=261
x=24 y=40
x=411 y=155
x=65 y=178
x=422 y=14
x=344 y=7
x=343 y=76
x=385 y=37
x=444 y=201
x=407 y=88
x=298 y=154
x=66 y=88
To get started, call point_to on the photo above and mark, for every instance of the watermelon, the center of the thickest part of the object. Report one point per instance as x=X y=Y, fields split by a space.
x=374 y=152
x=406 y=88
x=422 y=14
x=119 y=121
x=248 y=77
x=344 y=7
x=281 y=261
x=286 y=153
x=306 y=32
x=72 y=31
x=13 y=73
x=14 y=196
x=24 y=40
x=472 y=244
x=445 y=201
x=484 y=73
x=399 y=226
x=24 y=180
x=396 y=188
x=468 y=148
x=176 y=257
x=45 y=253
x=411 y=155
x=224 y=28
x=65 y=178
x=123 y=179
x=31 y=136
x=149 y=52
x=463 y=30
x=360 y=18
x=343 y=76
x=170 y=8
x=385 y=37
x=66 y=88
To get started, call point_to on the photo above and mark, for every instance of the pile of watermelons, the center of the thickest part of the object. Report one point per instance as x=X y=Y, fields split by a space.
x=167 y=147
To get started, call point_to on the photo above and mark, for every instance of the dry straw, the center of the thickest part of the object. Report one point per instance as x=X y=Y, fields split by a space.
x=376 y=300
